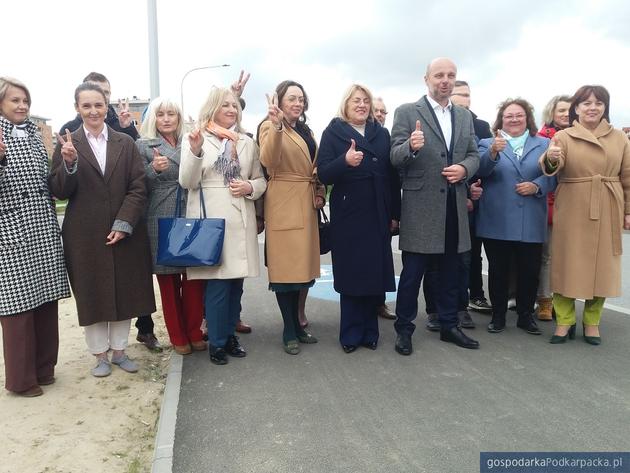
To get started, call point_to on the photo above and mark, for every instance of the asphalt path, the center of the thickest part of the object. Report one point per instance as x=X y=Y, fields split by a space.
x=376 y=411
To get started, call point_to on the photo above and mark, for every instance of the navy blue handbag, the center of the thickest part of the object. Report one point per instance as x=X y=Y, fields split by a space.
x=190 y=242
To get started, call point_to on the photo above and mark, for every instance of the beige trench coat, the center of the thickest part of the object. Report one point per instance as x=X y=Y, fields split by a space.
x=592 y=196
x=240 y=245
x=291 y=229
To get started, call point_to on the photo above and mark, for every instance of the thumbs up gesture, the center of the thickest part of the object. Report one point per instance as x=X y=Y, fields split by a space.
x=498 y=144
x=416 y=140
x=3 y=147
x=353 y=157
x=554 y=152
x=159 y=163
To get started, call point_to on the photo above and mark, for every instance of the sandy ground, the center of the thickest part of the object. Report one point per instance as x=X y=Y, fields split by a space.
x=81 y=423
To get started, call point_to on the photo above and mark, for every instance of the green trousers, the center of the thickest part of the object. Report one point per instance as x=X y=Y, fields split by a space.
x=565 y=310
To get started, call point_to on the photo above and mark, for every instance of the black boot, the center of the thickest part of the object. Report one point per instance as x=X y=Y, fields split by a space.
x=234 y=348
x=497 y=324
x=527 y=323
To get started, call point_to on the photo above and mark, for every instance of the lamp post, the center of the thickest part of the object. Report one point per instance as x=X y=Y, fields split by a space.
x=181 y=87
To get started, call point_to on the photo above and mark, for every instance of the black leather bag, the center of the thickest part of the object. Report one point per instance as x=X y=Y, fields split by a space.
x=325 y=240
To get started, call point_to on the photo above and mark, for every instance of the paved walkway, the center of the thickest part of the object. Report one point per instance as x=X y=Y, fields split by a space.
x=376 y=411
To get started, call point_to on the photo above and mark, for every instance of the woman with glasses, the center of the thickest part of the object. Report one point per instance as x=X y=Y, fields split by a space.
x=512 y=215
x=364 y=211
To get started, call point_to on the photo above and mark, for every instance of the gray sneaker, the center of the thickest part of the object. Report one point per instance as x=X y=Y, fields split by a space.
x=103 y=368
x=126 y=364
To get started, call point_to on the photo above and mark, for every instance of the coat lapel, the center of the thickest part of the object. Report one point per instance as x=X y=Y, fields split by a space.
x=425 y=113
x=114 y=150
x=297 y=139
x=80 y=142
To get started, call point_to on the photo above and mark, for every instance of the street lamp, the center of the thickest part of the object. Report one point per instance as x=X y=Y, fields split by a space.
x=181 y=87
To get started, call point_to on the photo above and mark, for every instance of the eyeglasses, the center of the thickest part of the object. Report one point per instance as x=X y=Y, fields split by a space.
x=461 y=95
x=518 y=116
x=380 y=110
x=359 y=101
x=293 y=99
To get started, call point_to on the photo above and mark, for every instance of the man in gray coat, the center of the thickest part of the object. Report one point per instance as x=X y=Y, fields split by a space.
x=433 y=144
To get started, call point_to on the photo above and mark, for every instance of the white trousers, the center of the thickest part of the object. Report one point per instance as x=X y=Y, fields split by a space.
x=102 y=336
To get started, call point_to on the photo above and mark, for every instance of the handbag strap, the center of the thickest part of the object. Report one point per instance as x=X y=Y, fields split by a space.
x=322 y=215
x=178 y=205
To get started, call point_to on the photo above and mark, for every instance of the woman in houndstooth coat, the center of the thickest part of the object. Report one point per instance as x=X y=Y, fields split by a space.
x=32 y=270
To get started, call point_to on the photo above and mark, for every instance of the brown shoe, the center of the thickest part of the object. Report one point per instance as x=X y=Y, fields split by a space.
x=31 y=392
x=545 y=306
x=383 y=311
x=182 y=349
x=46 y=381
x=199 y=346
x=243 y=327
x=150 y=341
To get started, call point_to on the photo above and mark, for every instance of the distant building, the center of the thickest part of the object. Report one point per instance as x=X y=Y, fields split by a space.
x=136 y=107
x=46 y=131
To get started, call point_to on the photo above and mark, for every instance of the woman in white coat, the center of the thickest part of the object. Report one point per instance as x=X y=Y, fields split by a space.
x=220 y=158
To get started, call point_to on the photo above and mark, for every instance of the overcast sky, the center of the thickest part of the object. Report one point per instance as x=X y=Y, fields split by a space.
x=532 y=49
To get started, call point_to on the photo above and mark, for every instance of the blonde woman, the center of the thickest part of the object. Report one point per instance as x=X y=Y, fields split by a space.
x=221 y=159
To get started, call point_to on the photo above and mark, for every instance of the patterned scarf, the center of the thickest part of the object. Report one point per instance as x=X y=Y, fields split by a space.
x=227 y=163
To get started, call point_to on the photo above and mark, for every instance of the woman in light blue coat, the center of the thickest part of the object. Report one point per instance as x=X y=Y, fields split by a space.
x=512 y=216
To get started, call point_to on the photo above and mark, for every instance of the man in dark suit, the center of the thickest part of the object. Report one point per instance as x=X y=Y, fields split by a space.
x=433 y=144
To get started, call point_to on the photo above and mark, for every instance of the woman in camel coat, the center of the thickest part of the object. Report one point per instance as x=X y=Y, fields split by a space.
x=592 y=162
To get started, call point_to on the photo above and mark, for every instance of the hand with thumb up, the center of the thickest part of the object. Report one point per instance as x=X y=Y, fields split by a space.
x=554 y=152
x=416 y=140
x=353 y=157
x=498 y=144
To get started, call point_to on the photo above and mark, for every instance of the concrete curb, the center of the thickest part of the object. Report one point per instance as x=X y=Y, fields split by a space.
x=165 y=438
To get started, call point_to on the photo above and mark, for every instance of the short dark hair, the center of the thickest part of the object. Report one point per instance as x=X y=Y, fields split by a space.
x=87 y=86
x=529 y=114
x=583 y=93
x=95 y=77
x=461 y=83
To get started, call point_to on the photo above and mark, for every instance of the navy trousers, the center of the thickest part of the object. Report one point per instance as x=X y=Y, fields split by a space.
x=359 y=321
x=430 y=285
x=222 y=300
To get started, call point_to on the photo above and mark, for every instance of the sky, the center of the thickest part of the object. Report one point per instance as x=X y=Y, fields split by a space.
x=528 y=49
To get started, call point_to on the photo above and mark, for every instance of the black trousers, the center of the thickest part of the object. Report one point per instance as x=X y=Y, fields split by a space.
x=475 y=282
x=144 y=324
x=527 y=257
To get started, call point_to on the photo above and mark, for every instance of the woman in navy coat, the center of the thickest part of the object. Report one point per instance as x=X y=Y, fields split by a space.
x=364 y=210
x=512 y=216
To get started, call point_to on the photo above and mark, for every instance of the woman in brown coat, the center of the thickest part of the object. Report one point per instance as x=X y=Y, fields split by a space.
x=592 y=162
x=105 y=239
x=287 y=150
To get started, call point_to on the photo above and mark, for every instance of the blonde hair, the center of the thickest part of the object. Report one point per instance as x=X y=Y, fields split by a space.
x=213 y=103
x=346 y=98
x=6 y=82
x=550 y=108
x=149 y=125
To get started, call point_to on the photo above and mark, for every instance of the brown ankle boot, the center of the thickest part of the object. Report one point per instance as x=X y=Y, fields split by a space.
x=545 y=307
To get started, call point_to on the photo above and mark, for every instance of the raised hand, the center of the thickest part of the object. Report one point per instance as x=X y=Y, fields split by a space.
x=68 y=152
x=159 y=163
x=239 y=85
x=196 y=141
x=3 y=147
x=416 y=140
x=275 y=114
x=554 y=152
x=476 y=190
x=124 y=115
x=353 y=157
x=498 y=144
x=454 y=173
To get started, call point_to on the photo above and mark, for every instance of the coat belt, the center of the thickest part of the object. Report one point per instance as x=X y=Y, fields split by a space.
x=290 y=177
x=598 y=183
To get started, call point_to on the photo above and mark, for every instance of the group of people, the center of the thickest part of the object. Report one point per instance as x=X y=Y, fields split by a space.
x=444 y=180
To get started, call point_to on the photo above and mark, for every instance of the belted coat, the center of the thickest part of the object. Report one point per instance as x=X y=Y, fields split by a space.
x=592 y=196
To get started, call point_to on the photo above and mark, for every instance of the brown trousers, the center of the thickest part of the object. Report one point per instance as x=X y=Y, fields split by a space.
x=31 y=344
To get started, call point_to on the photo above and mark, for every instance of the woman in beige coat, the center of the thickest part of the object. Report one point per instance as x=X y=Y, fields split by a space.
x=287 y=150
x=223 y=160
x=592 y=162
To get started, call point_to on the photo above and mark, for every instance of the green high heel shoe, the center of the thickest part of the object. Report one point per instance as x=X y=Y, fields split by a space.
x=570 y=335
x=589 y=339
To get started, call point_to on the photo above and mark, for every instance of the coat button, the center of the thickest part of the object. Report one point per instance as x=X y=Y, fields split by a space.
x=374 y=159
x=442 y=191
x=25 y=194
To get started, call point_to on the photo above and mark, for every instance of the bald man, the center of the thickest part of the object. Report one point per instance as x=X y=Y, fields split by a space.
x=434 y=147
